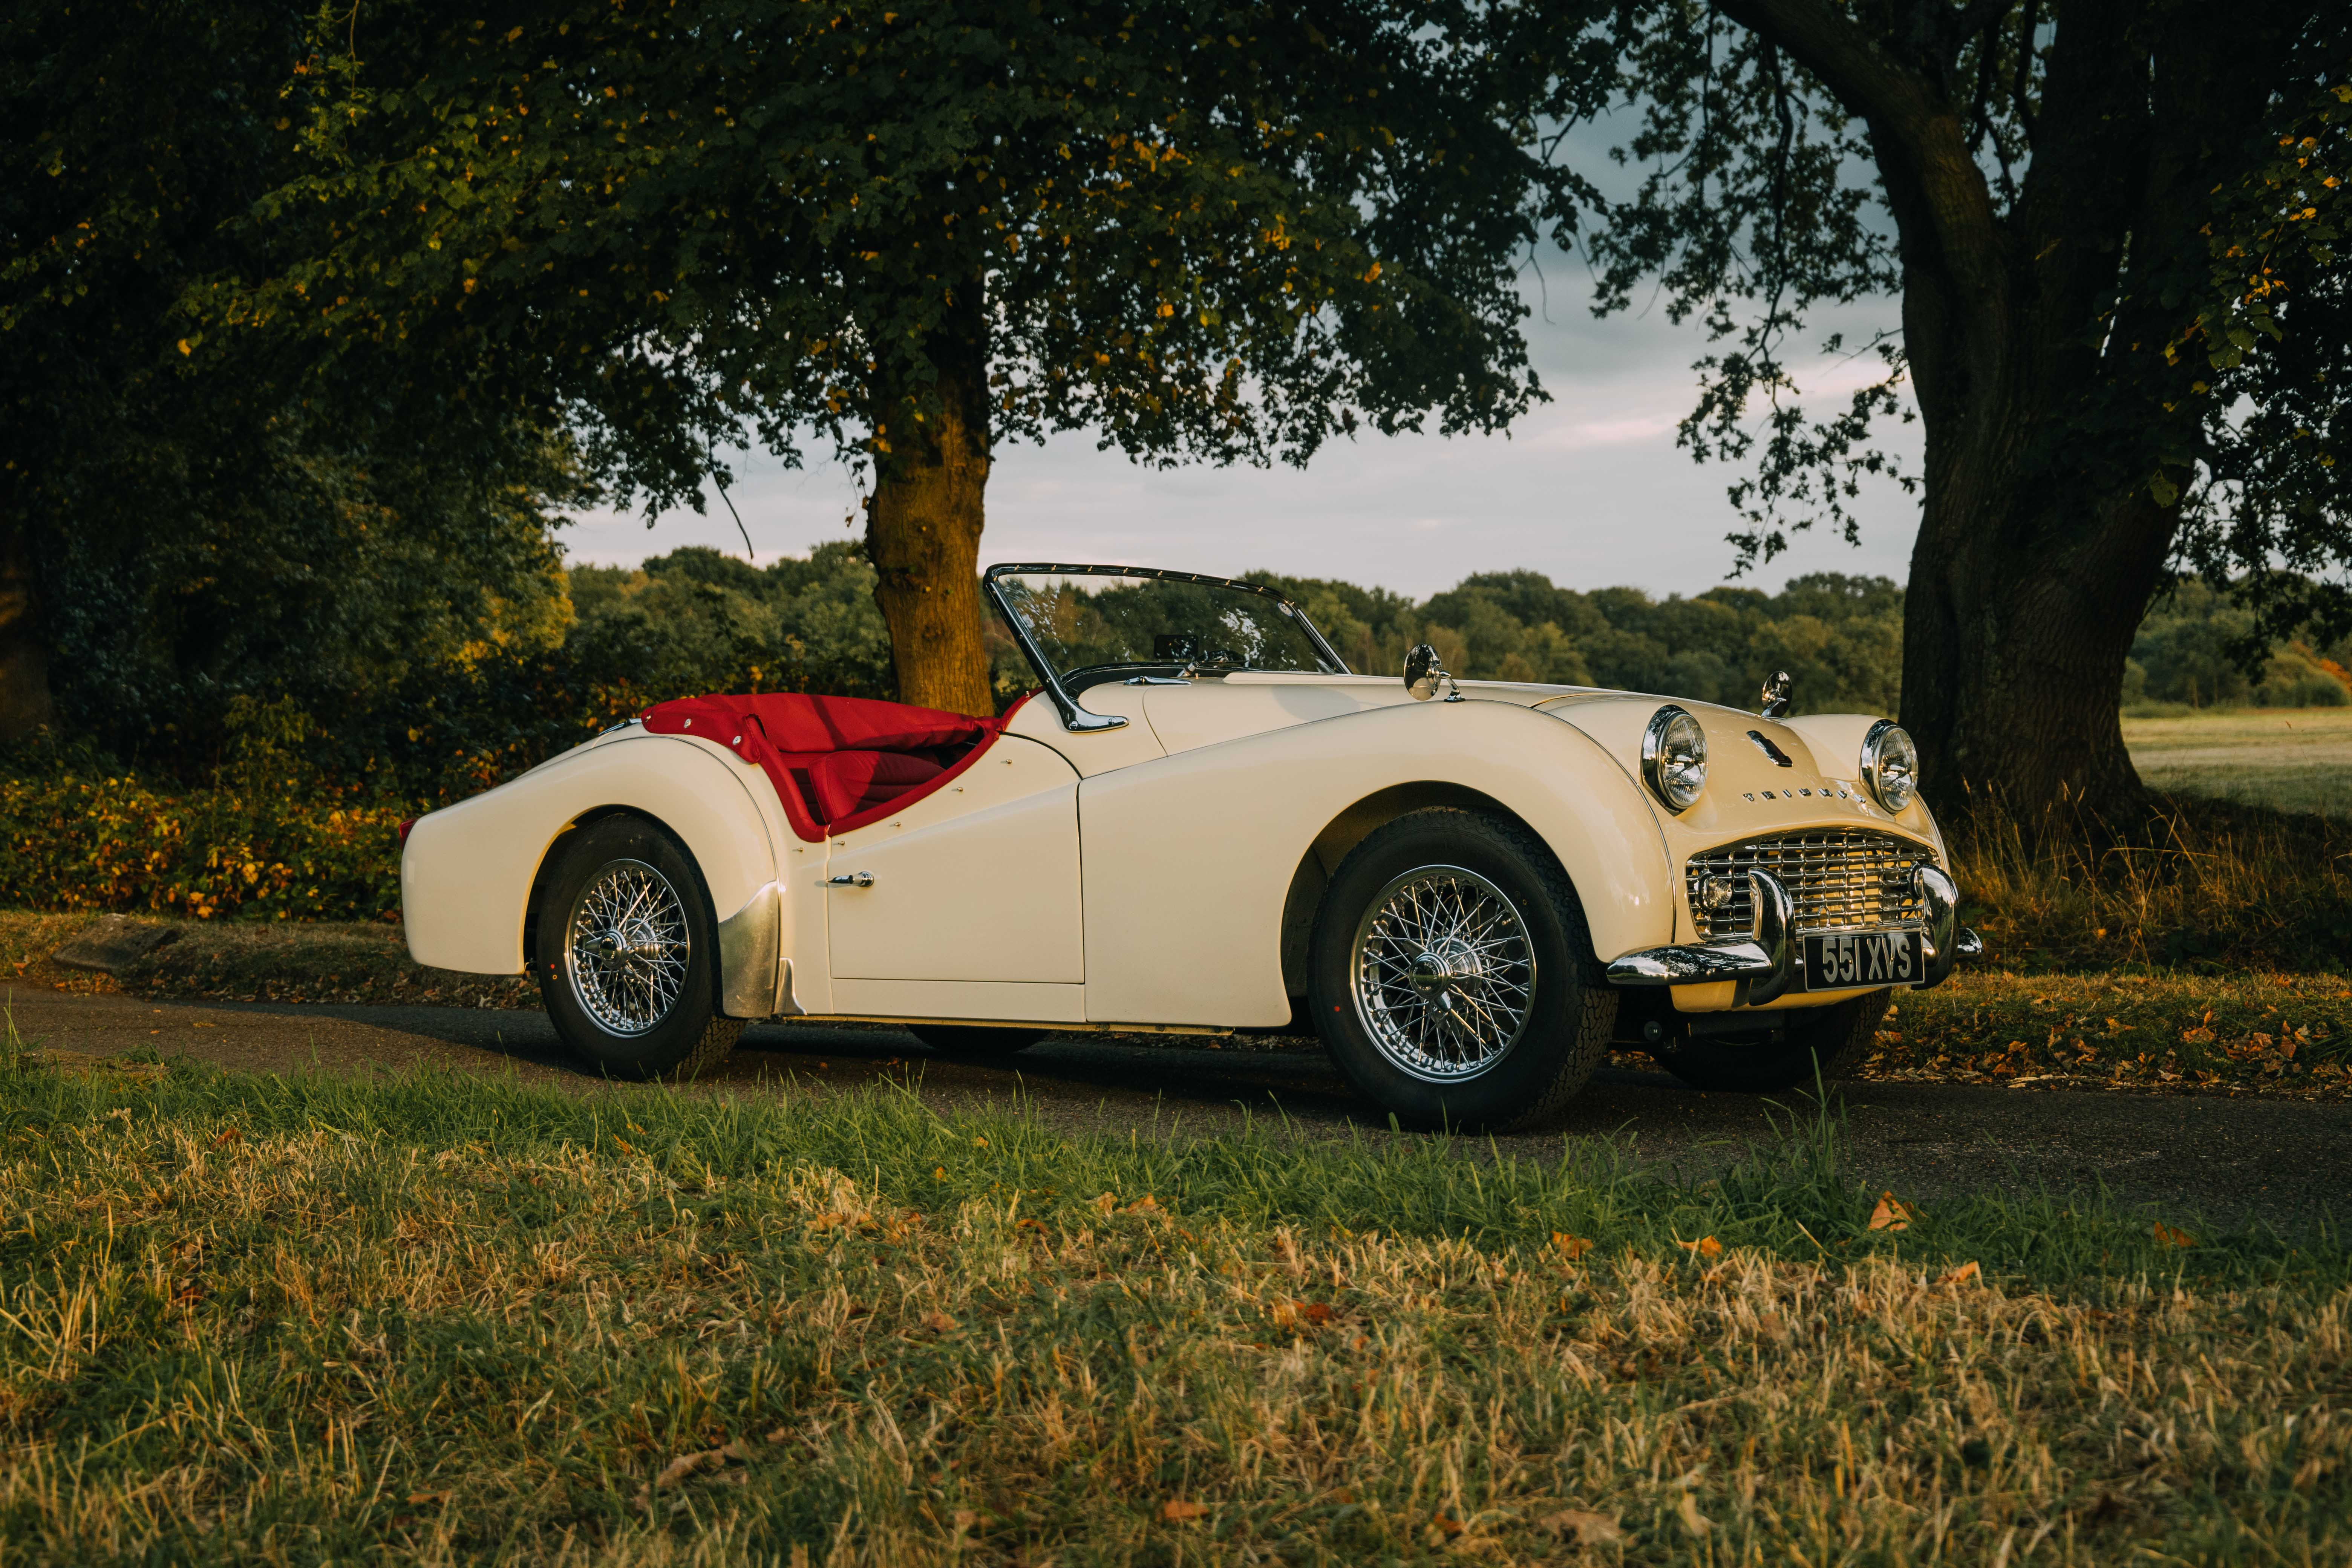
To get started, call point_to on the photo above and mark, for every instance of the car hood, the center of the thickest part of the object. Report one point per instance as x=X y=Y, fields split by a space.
x=1764 y=775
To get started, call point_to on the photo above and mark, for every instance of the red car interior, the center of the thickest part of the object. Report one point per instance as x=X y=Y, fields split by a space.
x=837 y=763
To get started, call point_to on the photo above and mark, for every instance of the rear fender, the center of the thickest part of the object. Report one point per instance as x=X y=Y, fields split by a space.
x=467 y=872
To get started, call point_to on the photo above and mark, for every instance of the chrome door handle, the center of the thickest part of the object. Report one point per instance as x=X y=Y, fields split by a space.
x=851 y=879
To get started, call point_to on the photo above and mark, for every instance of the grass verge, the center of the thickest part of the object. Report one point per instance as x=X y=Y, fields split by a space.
x=259 y=961
x=428 y=1320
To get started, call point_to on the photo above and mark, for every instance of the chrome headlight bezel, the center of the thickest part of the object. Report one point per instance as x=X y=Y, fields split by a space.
x=1674 y=757
x=1890 y=765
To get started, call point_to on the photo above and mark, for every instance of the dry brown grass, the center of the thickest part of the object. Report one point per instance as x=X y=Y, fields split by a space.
x=222 y=1340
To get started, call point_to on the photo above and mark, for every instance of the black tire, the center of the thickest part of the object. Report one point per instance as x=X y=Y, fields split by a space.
x=1566 y=1009
x=640 y=1017
x=1819 y=1042
x=974 y=1041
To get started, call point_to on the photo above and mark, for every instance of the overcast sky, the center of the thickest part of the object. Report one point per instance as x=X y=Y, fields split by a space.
x=1589 y=488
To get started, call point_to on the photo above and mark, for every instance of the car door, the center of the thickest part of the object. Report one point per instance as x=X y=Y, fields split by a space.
x=973 y=887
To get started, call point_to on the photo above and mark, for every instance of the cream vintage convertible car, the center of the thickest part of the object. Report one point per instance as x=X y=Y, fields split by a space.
x=1204 y=823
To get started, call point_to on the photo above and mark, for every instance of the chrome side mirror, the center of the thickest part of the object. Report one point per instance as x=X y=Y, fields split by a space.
x=1779 y=691
x=1422 y=670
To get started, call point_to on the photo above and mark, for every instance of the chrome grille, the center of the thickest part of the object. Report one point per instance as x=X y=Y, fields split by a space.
x=1838 y=879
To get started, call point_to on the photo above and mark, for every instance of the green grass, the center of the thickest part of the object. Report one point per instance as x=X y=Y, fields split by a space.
x=436 y=1320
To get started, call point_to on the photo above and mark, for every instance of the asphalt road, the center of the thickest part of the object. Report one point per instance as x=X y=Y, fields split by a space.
x=2208 y=1159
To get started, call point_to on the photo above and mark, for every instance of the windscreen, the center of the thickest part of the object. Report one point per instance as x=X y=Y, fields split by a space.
x=1084 y=625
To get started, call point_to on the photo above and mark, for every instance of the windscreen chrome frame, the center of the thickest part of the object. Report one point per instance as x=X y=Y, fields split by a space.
x=1077 y=720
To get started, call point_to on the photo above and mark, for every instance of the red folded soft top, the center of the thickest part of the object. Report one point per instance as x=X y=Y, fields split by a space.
x=824 y=754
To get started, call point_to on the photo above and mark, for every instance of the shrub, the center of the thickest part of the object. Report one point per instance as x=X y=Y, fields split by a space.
x=115 y=842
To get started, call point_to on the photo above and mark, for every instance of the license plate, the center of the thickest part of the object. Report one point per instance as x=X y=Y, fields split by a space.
x=1836 y=961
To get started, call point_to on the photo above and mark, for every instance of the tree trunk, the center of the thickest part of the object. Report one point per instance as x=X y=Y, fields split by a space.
x=2041 y=543
x=923 y=525
x=2014 y=640
x=24 y=656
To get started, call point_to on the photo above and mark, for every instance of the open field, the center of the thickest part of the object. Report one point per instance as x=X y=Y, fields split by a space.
x=2290 y=759
x=432 y=1320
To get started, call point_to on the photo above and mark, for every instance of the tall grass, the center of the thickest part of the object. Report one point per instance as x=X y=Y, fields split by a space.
x=2204 y=884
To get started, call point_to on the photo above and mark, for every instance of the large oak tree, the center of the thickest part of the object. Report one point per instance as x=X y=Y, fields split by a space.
x=906 y=234
x=2113 y=224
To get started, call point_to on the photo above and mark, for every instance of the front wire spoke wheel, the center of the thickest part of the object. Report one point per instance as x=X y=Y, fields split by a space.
x=627 y=947
x=1442 y=973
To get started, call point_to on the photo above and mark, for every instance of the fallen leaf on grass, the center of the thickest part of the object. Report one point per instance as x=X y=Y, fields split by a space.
x=1966 y=1274
x=938 y=1323
x=2168 y=1237
x=1442 y=1529
x=1582 y=1528
x=1177 y=1511
x=1147 y=1203
x=1104 y=1203
x=229 y=1136
x=441 y=1496
x=1705 y=1246
x=1890 y=1213
x=1571 y=1246
x=686 y=1466
x=1293 y=1314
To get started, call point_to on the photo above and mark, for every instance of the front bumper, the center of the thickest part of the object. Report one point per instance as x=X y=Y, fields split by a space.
x=1768 y=962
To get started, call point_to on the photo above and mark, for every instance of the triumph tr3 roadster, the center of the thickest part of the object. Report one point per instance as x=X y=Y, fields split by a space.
x=1203 y=823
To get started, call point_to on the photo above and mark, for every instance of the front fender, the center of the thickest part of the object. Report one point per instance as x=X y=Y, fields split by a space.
x=1188 y=859
x=467 y=871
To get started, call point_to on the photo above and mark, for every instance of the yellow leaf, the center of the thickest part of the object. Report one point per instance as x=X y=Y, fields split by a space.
x=1104 y=1203
x=1891 y=1215
x=938 y=1323
x=442 y=1495
x=1966 y=1274
x=1705 y=1246
x=1571 y=1246
x=184 y=346
x=2168 y=1237
x=1177 y=1511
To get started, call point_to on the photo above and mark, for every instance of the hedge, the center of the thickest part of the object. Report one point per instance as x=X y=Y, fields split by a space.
x=114 y=843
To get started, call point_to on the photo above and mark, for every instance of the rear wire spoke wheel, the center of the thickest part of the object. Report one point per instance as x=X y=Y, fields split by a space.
x=625 y=948
x=1453 y=973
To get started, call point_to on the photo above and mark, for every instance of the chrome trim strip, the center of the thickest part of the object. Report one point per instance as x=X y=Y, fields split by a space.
x=751 y=973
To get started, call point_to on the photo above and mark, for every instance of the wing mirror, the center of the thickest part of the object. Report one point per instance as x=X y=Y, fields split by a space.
x=1423 y=670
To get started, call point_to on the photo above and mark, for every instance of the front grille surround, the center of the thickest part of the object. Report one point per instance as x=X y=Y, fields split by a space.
x=1839 y=878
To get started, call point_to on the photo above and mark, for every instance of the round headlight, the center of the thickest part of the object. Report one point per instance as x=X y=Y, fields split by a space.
x=1890 y=765
x=1674 y=757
